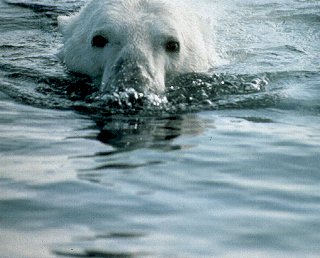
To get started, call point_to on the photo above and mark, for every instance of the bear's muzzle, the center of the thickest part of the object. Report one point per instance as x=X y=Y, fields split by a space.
x=133 y=69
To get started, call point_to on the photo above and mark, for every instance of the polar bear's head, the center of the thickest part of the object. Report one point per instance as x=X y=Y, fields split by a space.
x=134 y=43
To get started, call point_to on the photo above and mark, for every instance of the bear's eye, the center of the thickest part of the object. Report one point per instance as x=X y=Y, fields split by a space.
x=99 y=41
x=172 y=46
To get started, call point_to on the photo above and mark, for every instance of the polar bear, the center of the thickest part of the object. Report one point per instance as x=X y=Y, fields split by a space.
x=138 y=44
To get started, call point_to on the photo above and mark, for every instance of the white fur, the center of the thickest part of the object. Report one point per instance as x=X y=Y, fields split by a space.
x=137 y=31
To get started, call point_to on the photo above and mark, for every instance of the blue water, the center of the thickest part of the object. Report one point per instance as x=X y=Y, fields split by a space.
x=223 y=174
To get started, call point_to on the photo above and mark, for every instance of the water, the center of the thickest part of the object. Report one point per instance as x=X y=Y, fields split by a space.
x=229 y=167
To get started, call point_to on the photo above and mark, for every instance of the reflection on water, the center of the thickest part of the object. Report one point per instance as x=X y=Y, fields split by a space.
x=99 y=254
x=142 y=132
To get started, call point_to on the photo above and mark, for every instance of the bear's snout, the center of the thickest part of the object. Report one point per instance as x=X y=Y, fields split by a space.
x=129 y=72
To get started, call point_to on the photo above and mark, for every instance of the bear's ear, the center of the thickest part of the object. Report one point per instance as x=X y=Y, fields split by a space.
x=63 y=23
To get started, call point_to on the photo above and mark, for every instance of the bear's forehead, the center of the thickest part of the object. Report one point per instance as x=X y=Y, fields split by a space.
x=141 y=21
x=129 y=10
x=134 y=6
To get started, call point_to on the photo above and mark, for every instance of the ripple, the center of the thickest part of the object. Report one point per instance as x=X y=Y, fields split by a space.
x=101 y=254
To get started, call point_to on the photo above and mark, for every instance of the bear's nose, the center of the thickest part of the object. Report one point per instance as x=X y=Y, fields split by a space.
x=129 y=67
x=128 y=73
x=117 y=67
